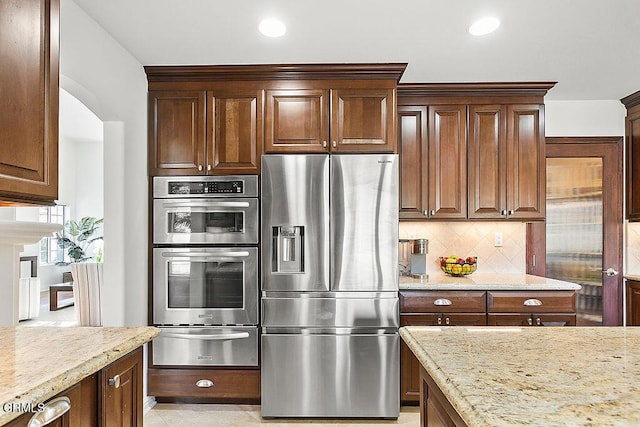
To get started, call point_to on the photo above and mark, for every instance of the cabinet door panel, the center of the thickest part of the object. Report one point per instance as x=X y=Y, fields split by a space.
x=633 y=163
x=409 y=365
x=526 y=181
x=297 y=120
x=234 y=132
x=177 y=133
x=513 y=319
x=487 y=171
x=412 y=137
x=633 y=303
x=122 y=402
x=447 y=161
x=363 y=120
x=29 y=100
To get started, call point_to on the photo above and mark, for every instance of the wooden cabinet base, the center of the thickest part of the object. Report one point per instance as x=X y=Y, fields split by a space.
x=205 y=385
x=435 y=409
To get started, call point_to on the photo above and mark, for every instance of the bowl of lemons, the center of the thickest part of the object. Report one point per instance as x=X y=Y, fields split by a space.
x=458 y=267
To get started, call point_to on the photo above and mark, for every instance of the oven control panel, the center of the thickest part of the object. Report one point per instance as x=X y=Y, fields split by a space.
x=205 y=187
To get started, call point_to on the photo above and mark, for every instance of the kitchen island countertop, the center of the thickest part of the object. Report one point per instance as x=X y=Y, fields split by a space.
x=486 y=281
x=499 y=376
x=37 y=363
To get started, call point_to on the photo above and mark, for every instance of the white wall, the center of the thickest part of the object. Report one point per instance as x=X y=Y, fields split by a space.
x=98 y=71
x=584 y=118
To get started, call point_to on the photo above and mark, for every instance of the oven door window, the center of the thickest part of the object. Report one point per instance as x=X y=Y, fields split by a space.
x=205 y=284
x=205 y=222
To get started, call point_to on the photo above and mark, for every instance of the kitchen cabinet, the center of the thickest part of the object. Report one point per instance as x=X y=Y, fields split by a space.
x=213 y=385
x=633 y=303
x=472 y=151
x=207 y=132
x=109 y=397
x=632 y=142
x=319 y=120
x=29 y=31
x=434 y=308
x=528 y=308
x=210 y=119
x=436 y=410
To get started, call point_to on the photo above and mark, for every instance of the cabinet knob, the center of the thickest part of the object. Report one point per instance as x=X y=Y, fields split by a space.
x=426 y=212
x=335 y=144
x=512 y=212
x=503 y=212
x=50 y=412
x=114 y=382
x=208 y=167
x=439 y=320
x=446 y=320
x=324 y=144
x=532 y=302
x=432 y=212
x=200 y=167
x=538 y=321
x=204 y=383
x=530 y=321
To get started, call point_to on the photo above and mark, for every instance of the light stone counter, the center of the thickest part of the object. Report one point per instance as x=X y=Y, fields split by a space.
x=499 y=376
x=632 y=276
x=37 y=363
x=486 y=282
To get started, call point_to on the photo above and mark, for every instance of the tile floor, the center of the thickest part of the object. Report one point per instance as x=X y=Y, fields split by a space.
x=63 y=317
x=171 y=415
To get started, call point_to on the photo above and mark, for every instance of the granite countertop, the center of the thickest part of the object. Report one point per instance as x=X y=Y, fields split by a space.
x=486 y=281
x=37 y=363
x=632 y=276
x=500 y=376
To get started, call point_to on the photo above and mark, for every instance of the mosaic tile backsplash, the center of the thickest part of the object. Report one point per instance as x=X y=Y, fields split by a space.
x=474 y=239
x=632 y=256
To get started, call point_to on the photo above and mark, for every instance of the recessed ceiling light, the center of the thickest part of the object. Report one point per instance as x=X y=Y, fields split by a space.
x=272 y=27
x=484 y=26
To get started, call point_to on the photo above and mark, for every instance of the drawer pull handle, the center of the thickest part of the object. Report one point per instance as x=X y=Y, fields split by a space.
x=532 y=302
x=114 y=382
x=204 y=383
x=51 y=411
x=442 y=301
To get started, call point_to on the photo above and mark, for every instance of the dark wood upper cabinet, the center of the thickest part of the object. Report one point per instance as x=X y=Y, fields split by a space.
x=485 y=157
x=297 y=119
x=29 y=31
x=487 y=161
x=413 y=153
x=632 y=137
x=526 y=164
x=234 y=132
x=447 y=162
x=177 y=132
x=218 y=126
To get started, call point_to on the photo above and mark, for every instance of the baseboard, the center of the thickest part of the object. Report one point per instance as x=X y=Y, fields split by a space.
x=149 y=403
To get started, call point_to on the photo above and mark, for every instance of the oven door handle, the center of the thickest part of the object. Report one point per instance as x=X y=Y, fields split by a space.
x=203 y=204
x=234 y=254
x=207 y=337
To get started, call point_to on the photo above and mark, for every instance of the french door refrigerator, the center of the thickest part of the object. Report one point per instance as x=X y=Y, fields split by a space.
x=330 y=344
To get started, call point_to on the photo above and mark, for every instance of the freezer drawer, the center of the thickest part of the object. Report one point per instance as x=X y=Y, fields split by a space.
x=214 y=346
x=308 y=375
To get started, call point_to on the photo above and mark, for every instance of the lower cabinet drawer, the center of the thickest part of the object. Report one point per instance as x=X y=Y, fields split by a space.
x=227 y=385
x=531 y=302
x=442 y=301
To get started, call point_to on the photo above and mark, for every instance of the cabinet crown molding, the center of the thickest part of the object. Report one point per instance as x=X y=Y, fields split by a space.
x=475 y=89
x=364 y=71
x=631 y=100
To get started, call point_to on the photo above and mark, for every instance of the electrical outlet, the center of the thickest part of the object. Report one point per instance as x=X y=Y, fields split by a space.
x=497 y=239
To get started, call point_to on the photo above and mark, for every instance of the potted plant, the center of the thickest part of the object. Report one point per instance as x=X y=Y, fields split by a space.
x=76 y=238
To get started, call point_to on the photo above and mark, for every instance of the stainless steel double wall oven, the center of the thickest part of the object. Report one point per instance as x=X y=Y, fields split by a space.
x=205 y=270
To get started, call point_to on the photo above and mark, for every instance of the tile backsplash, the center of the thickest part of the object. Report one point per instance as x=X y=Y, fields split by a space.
x=632 y=258
x=473 y=239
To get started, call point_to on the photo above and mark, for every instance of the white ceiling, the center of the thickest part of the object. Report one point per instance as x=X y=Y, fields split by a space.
x=590 y=47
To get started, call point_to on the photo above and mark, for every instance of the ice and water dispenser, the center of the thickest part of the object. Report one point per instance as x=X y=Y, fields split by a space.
x=288 y=249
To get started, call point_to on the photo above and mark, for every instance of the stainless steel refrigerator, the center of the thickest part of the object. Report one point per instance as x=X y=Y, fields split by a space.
x=329 y=261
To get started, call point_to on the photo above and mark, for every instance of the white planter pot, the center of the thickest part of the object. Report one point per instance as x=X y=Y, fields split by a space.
x=87 y=292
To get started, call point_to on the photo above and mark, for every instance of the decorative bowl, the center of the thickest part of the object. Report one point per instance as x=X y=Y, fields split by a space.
x=458 y=267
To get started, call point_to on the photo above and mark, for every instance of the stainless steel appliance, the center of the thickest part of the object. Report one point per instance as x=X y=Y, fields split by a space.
x=330 y=345
x=205 y=210
x=205 y=271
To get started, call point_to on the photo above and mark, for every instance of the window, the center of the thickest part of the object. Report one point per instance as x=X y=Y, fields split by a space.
x=50 y=252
